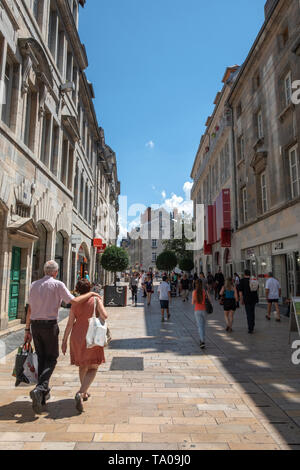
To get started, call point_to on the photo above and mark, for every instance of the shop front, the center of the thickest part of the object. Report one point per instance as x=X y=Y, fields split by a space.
x=282 y=258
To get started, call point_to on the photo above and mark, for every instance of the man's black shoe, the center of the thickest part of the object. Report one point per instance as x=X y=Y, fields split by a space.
x=37 y=398
x=46 y=397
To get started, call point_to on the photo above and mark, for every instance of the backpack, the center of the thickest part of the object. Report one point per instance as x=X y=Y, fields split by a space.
x=253 y=284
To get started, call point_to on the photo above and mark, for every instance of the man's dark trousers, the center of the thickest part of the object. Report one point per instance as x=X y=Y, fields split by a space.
x=250 y=311
x=45 y=337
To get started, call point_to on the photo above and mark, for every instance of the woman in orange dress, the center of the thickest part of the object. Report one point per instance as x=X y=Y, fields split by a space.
x=88 y=360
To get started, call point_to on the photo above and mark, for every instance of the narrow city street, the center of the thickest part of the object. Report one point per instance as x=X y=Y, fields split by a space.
x=159 y=391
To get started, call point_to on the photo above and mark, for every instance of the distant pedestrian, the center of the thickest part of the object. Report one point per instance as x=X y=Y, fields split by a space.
x=45 y=298
x=204 y=280
x=133 y=285
x=86 y=275
x=149 y=289
x=200 y=310
x=184 y=284
x=164 y=291
x=248 y=292
x=143 y=281
x=273 y=293
x=219 y=283
x=237 y=279
x=88 y=360
x=230 y=296
x=210 y=282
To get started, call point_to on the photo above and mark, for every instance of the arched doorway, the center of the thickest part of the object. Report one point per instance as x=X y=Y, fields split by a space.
x=83 y=261
x=60 y=254
x=39 y=252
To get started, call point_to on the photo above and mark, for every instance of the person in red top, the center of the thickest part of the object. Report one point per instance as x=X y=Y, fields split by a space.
x=200 y=310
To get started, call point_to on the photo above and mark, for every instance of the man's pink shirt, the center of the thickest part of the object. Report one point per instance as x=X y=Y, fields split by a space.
x=45 y=298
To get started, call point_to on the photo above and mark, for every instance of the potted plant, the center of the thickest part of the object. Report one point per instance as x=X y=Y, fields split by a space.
x=115 y=259
x=166 y=261
x=186 y=264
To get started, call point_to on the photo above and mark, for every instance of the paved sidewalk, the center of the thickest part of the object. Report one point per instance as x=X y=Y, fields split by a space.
x=241 y=393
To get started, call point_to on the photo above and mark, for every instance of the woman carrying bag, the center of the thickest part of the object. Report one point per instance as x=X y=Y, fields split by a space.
x=88 y=360
x=199 y=300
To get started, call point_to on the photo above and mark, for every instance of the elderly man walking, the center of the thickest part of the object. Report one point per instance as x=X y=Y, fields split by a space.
x=45 y=298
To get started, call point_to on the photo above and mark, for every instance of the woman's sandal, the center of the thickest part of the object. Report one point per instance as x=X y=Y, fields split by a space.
x=78 y=402
x=86 y=396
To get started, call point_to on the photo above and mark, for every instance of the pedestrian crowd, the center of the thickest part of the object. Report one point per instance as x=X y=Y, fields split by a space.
x=47 y=294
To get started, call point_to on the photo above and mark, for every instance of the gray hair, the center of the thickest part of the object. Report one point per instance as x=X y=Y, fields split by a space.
x=50 y=268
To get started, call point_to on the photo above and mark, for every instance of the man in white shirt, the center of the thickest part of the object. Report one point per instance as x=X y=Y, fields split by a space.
x=164 y=291
x=273 y=293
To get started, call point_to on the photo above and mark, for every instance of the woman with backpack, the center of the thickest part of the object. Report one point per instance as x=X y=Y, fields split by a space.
x=199 y=295
x=229 y=294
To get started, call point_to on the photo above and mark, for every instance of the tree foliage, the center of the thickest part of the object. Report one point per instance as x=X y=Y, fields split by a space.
x=186 y=264
x=166 y=261
x=115 y=259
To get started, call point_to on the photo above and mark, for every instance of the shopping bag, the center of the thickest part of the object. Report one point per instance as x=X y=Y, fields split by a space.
x=21 y=357
x=208 y=306
x=108 y=338
x=96 y=334
x=30 y=368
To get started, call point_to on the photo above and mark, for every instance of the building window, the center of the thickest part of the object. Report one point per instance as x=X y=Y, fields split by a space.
x=45 y=139
x=54 y=149
x=245 y=205
x=227 y=160
x=241 y=148
x=260 y=128
x=294 y=172
x=22 y=210
x=239 y=110
x=64 y=162
x=52 y=33
x=76 y=188
x=288 y=88
x=264 y=198
x=30 y=119
x=154 y=257
x=7 y=93
x=154 y=243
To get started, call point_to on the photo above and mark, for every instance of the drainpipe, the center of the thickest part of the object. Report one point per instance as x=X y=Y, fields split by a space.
x=235 y=185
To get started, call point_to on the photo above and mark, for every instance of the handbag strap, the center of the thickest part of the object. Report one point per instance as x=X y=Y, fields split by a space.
x=95 y=304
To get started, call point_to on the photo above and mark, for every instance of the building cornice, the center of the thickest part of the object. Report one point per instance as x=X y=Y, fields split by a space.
x=71 y=28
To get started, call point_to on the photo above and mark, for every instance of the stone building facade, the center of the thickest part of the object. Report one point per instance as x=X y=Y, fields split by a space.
x=265 y=165
x=213 y=177
x=52 y=170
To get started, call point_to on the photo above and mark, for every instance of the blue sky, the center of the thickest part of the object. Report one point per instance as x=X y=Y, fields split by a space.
x=156 y=66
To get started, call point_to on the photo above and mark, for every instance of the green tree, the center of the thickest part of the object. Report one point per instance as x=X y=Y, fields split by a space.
x=115 y=259
x=166 y=261
x=186 y=264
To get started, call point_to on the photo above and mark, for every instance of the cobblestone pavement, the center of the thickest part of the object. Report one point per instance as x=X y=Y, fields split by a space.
x=242 y=392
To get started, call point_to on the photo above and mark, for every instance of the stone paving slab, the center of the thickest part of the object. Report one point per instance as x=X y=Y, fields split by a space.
x=241 y=393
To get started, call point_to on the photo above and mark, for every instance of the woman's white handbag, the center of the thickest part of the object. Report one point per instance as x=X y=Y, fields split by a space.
x=96 y=334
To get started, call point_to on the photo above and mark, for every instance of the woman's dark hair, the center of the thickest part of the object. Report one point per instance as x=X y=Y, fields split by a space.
x=83 y=286
x=199 y=291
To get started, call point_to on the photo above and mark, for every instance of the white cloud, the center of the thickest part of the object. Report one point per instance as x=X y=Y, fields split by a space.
x=150 y=144
x=178 y=202
x=164 y=194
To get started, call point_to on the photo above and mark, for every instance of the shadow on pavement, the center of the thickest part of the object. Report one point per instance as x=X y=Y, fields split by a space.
x=259 y=366
x=21 y=412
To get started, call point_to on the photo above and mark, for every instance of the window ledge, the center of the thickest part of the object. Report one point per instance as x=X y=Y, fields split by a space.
x=240 y=162
x=258 y=143
x=289 y=107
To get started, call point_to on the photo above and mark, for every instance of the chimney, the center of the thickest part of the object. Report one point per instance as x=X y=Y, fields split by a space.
x=269 y=6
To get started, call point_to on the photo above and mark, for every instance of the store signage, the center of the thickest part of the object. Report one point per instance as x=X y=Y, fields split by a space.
x=97 y=242
x=76 y=239
x=101 y=249
x=278 y=246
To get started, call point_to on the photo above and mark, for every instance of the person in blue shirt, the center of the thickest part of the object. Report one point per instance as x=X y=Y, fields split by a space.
x=230 y=297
